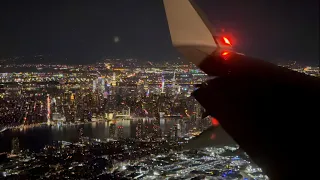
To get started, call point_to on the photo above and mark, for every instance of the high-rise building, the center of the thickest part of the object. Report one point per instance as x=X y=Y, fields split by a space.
x=139 y=129
x=176 y=131
x=162 y=84
x=114 y=81
x=94 y=85
x=48 y=109
x=80 y=133
x=99 y=85
x=175 y=86
x=15 y=148
x=112 y=130
x=162 y=126
x=102 y=85
x=183 y=127
x=120 y=132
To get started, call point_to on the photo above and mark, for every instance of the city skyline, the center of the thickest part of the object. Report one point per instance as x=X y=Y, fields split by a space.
x=96 y=90
x=115 y=115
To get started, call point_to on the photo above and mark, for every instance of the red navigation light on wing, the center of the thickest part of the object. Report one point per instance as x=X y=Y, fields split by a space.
x=226 y=41
x=223 y=42
x=225 y=55
x=214 y=122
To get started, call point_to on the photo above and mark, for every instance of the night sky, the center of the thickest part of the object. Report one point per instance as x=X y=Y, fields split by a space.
x=85 y=31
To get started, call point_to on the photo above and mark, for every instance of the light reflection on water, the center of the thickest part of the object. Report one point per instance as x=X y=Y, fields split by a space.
x=35 y=138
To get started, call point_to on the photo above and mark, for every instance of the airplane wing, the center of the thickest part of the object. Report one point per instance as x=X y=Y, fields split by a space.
x=265 y=108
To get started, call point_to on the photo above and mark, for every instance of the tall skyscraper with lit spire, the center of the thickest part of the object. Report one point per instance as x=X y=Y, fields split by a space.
x=94 y=85
x=114 y=81
x=162 y=85
x=175 y=85
x=48 y=108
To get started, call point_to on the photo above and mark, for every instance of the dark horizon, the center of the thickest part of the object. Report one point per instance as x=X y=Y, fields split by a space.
x=58 y=60
x=82 y=32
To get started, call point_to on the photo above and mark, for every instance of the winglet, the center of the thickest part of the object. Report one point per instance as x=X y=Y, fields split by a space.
x=191 y=32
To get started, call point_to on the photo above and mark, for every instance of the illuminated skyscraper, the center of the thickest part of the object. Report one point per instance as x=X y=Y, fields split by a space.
x=162 y=126
x=114 y=81
x=174 y=80
x=48 y=108
x=15 y=148
x=94 y=85
x=162 y=85
x=80 y=133
x=112 y=130
x=176 y=88
x=139 y=129
x=102 y=85
x=120 y=132
x=178 y=130
x=182 y=127
x=72 y=97
x=148 y=93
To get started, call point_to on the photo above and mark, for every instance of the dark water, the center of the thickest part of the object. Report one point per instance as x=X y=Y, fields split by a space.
x=36 y=138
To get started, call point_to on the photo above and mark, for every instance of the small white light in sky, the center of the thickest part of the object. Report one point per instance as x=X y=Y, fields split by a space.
x=116 y=39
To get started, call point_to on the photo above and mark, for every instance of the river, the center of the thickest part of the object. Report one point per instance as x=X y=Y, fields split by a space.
x=37 y=137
